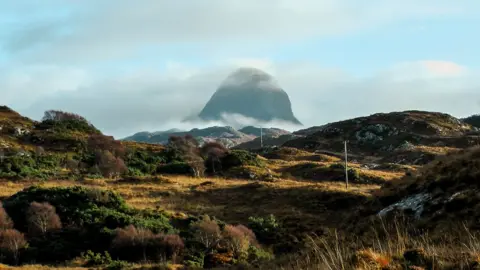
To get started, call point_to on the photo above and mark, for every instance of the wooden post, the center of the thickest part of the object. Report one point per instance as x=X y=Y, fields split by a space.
x=346 y=165
x=261 y=137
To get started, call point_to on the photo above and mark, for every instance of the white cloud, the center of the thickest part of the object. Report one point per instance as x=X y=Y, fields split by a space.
x=70 y=62
x=112 y=29
x=157 y=100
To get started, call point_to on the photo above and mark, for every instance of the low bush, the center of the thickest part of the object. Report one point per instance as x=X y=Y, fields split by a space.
x=240 y=158
x=175 y=168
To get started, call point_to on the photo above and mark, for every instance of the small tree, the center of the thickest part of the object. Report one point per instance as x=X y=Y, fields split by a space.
x=42 y=217
x=238 y=239
x=132 y=237
x=101 y=142
x=109 y=165
x=5 y=221
x=56 y=115
x=12 y=241
x=208 y=233
x=187 y=148
x=213 y=152
x=173 y=245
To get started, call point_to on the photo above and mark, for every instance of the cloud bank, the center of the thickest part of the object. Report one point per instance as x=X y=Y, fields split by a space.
x=131 y=66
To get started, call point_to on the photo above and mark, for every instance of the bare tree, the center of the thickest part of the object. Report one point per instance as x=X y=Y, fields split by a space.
x=236 y=239
x=12 y=241
x=55 y=115
x=42 y=217
x=213 y=152
x=105 y=143
x=109 y=165
x=188 y=149
x=173 y=245
x=207 y=232
x=5 y=221
x=132 y=237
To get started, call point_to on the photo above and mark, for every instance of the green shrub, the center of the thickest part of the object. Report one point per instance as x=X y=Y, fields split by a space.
x=65 y=126
x=118 y=265
x=96 y=259
x=142 y=162
x=81 y=206
x=257 y=255
x=175 y=168
x=194 y=259
x=31 y=166
x=240 y=158
x=266 y=228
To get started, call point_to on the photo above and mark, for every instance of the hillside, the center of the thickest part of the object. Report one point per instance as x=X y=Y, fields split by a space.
x=444 y=190
x=473 y=120
x=410 y=137
x=228 y=136
x=275 y=207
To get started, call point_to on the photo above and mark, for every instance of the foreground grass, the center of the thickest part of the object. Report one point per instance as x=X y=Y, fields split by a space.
x=302 y=204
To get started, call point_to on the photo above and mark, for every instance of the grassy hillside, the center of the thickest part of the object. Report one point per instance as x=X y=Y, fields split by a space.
x=410 y=137
x=108 y=204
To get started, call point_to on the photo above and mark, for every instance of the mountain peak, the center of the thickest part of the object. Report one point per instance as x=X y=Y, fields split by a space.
x=252 y=93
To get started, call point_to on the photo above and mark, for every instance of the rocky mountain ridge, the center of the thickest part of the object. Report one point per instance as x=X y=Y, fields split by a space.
x=227 y=135
x=408 y=137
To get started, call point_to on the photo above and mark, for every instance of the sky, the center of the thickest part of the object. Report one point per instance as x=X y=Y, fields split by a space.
x=144 y=65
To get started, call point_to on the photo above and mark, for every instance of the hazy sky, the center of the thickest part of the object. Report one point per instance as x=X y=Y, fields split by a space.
x=130 y=66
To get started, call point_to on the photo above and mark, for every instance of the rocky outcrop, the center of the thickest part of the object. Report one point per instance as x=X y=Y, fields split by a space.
x=252 y=93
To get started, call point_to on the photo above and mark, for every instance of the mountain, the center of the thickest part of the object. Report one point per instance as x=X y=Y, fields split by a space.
x=410 y=137
x=227 y=135
x=272 y=132
x=473 y=120
x=252 y=93
x=146 y=136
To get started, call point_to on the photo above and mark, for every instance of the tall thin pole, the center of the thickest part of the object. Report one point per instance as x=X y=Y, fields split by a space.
x=346 y=165
x=261 y=137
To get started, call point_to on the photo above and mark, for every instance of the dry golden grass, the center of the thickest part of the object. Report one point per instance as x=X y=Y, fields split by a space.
x=39 y=267
x=232 y=200
x=437 y=150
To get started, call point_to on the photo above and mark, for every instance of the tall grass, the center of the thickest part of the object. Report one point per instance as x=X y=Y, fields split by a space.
x=391 y=245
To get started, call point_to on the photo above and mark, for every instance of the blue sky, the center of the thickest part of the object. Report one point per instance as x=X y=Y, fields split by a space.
x=152 y=62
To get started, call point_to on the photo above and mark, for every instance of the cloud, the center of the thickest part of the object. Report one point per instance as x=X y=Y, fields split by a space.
x=130 y=66
x=150 y=100
x=118 y=28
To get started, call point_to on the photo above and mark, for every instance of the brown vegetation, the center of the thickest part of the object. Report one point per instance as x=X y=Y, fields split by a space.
x=12 y=241
x=5 y=221
x=42 y=217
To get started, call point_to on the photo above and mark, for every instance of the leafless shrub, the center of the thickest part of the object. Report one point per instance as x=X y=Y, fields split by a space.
x=236 y=240
x=109 y=165
x=42 y=217
x=12 y=241
x=207 y=232
x=5 y=221
x=173 y=245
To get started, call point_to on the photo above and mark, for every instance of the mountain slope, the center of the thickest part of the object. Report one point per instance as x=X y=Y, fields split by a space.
x=229 y=136
x=252 y=93
x=408 y=137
